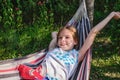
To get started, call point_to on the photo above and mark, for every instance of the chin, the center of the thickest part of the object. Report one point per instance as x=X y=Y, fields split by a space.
x=63 y=48
x=66 y=49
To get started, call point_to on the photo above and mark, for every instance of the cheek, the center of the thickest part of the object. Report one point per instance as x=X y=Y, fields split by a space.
x=71 y=41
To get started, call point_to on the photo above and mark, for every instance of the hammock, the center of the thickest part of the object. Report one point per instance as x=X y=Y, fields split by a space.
x=8 y=68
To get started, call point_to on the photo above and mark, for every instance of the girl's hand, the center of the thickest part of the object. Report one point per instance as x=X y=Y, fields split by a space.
x=116 y=15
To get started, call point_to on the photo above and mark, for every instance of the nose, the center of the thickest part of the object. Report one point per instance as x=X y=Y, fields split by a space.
x=63 y=39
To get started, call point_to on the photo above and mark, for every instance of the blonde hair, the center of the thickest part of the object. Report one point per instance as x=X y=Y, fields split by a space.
x=73 y=31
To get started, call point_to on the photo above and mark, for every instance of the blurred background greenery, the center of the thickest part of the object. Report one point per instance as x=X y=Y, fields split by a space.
x=26 y=26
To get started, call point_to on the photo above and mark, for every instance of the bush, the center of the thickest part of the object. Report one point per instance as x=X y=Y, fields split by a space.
x=26 y=25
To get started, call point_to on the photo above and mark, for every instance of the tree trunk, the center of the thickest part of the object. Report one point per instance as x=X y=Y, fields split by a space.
x=90 y=10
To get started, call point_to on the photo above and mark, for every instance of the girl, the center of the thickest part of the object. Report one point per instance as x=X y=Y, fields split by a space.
x=60 y=63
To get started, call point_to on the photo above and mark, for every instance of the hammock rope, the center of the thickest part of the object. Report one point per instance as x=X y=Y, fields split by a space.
x=8 y=68
x=81 y=21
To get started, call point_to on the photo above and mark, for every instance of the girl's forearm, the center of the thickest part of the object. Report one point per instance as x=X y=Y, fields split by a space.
x=90 y=39
x=102 y=24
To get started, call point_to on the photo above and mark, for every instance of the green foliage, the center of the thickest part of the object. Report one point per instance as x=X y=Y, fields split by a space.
x=63 y=10
x=23 y=30
x=26 y=25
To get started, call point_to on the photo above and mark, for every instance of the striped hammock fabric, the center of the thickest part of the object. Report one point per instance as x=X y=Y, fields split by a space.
x=8 y=68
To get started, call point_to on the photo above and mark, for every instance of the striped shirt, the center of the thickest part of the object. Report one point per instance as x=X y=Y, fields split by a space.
x=60 y=64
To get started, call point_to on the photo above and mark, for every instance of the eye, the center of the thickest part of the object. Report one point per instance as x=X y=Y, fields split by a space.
x=67 y=37
x=59 y=37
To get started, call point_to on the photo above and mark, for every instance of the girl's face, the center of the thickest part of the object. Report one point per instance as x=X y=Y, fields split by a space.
x=66 y=40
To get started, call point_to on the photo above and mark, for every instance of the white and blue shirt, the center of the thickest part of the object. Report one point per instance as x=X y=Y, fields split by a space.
x=60 y=64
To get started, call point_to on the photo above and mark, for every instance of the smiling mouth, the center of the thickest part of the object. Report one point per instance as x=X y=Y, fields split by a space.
x=63 y=44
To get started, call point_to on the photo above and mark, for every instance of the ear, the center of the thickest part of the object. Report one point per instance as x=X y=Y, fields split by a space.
x=75 y=42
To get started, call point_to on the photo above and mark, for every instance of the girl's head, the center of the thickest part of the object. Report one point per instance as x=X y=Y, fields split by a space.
x=67 y=38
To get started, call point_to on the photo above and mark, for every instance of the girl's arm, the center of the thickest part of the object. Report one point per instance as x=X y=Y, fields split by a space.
x=91 y=36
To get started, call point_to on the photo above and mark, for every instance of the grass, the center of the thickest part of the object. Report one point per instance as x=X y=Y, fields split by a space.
x=106 y=59
x=106 y=68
